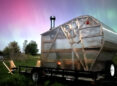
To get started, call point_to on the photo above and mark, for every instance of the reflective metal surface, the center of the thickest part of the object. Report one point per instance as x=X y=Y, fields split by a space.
x=83 y=43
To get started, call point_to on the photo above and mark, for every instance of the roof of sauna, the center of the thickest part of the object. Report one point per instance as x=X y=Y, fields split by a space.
x=107 y=27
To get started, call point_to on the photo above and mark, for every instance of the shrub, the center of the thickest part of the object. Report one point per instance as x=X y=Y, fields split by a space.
x=16 y=80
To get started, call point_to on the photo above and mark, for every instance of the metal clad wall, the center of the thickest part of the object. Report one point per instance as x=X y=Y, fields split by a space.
x=77 y=44
x=111 y=38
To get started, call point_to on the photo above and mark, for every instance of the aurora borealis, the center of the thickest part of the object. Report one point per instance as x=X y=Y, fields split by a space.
x=26 y=19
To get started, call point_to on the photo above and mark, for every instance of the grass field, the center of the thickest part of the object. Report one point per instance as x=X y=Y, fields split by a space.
x=16 y=79
x=6 y=79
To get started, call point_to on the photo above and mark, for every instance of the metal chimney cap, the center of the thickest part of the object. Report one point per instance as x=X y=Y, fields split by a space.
x=52 y=18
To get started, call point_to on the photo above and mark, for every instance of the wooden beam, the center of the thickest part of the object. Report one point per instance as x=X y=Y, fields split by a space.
x=7 y=67
x=53 y=42
x=61 y=50
x=48 y=41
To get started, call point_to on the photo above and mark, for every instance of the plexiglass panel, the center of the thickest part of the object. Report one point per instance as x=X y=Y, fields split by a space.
x=90 y=32
x=93 y=42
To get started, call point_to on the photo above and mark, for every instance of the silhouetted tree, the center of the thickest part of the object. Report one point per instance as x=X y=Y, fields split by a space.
x=12 y=50
x=1 y=53
x=6 y=52
x=31 y=48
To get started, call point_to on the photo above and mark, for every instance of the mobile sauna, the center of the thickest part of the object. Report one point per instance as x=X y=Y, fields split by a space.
x=80 y=47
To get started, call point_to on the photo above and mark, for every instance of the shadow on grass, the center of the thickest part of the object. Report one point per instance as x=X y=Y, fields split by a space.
x=16 y=80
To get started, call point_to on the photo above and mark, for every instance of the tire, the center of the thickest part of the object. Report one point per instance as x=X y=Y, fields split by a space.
x=35 y=76
x=110 y=70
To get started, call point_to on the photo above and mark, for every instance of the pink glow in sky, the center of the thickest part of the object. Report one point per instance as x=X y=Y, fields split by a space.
x=26 y=19
x=21 y=20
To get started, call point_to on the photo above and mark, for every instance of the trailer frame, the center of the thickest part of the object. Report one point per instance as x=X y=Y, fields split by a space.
x=57 y=72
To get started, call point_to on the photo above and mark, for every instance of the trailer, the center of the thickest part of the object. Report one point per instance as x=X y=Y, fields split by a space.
x=81 y=47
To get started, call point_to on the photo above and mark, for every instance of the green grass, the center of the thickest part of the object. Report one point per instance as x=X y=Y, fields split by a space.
x=3 y=72
x=16 y=79
x=31 y=61
x=7 y=79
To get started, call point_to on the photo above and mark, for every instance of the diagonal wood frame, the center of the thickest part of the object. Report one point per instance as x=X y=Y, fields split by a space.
x=53 y=43
x=84 y=53
x=71 y=41
x=68 y=36
x=74 y=50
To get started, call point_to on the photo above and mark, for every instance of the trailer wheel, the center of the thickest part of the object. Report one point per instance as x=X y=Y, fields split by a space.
x=110 y=70
x=35 y=76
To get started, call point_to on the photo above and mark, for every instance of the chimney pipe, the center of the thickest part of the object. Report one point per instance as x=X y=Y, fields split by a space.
x=52 y=22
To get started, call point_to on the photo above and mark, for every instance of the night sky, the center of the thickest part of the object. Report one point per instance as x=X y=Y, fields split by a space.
x=26 y=19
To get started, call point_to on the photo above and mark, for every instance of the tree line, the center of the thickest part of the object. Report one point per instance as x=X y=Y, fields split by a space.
x=13 y=50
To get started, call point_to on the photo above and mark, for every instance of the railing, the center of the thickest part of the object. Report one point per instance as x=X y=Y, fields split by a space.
x=25 y=69
x=58 y=72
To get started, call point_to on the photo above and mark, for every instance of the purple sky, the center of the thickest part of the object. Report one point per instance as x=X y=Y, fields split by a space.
x=26 y=19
